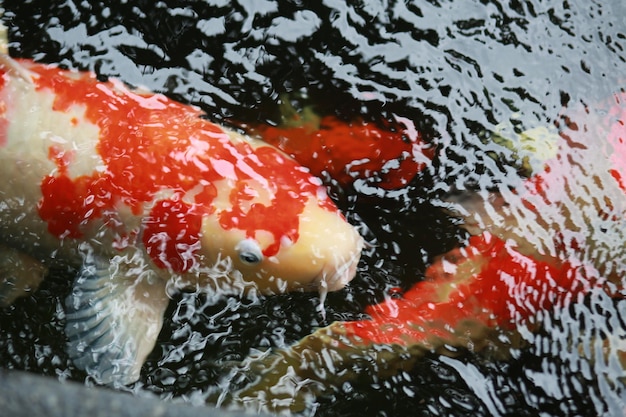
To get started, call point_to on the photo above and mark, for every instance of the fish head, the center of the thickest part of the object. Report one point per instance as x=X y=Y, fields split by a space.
x=275 y=222
x=320 y=255
x=277 y=225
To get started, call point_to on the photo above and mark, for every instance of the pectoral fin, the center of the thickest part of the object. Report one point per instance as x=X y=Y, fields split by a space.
x=19 y=274
x=114 y=315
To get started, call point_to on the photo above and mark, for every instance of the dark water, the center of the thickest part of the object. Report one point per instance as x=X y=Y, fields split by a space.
x=454 y=68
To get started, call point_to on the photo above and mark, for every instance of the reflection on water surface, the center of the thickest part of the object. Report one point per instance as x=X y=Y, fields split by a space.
x=459 y=71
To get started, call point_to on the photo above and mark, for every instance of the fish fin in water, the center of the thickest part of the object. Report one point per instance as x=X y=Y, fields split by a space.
x=113 y=317
x=12 y=67
x=20 y=274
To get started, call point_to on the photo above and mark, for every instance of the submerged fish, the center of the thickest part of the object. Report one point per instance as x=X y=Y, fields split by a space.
x=388 y=157
x=551 y=242
x=142 y=195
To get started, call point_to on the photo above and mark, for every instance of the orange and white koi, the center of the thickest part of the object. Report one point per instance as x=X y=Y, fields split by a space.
x=142 y=194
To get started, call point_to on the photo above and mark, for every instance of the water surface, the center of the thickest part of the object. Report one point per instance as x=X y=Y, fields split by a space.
x=456 y=70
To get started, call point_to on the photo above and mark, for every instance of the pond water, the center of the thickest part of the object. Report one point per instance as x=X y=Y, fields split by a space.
x=456 y=70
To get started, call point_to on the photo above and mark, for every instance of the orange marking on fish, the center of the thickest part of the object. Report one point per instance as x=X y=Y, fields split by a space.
x=171 y=236
x=158 y=144
x=505 y=289
x=348 y=150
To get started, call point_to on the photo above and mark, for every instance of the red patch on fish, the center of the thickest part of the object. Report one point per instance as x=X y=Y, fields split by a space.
x=150 y=144
x=171 y=235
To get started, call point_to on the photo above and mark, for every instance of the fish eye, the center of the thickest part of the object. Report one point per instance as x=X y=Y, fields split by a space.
x=249 y=252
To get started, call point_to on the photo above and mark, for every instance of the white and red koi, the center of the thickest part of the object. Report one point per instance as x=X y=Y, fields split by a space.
x=142 y=193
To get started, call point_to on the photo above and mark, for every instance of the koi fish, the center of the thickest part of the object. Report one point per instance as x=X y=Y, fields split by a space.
x=349 y=150
x=573 y=205
x=142 y=195
x=549 y=243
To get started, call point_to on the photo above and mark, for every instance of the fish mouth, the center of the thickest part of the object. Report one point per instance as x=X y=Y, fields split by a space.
x=336 y=275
